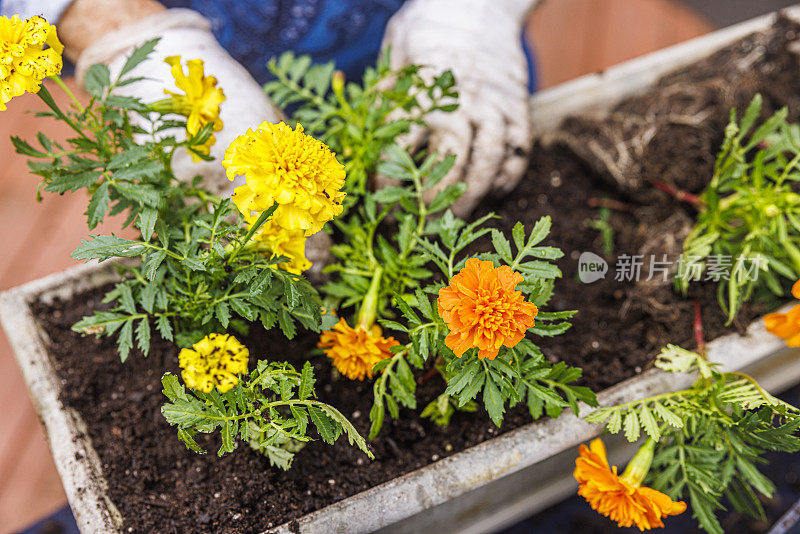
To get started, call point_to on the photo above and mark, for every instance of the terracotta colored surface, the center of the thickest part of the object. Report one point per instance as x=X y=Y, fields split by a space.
x=576 y=37
x=29 y=484
x=36 y=240
x=572 y=37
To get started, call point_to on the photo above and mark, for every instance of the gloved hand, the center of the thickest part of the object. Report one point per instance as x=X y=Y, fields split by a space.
x=185 y=33
x=480 y=41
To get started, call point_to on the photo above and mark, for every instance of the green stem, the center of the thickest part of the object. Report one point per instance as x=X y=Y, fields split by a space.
x=156 y=247
x=422 y=216
x=253 y=229
x=422 y=327
x=58 y=81
x=60 y=114
x=205 y=196
x=346 y=270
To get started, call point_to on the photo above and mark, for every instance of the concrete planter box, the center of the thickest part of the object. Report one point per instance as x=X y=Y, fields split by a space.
x=477 y=490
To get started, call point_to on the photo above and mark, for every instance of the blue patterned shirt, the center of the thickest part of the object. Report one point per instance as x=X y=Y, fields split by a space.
x=348 y=32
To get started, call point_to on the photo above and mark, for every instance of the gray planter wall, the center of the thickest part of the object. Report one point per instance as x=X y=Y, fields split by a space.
x=476 y=490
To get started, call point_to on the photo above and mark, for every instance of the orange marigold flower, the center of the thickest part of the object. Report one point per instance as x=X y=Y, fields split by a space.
x=482 y=309
x=786 y=325
x=355 y=351
x=621 y=498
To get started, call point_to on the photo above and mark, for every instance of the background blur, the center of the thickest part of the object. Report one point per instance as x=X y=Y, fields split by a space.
x=570 y=38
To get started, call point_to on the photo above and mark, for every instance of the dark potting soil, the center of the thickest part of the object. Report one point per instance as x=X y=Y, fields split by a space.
x=159 y=486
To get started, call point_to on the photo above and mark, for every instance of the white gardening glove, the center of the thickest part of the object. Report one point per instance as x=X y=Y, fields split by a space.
x=185 y=33
x=480 y=41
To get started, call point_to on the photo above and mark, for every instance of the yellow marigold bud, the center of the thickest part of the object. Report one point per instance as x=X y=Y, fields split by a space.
x=355 y=351
x=277 y=241
x=337 y=82
x=290 y=168
x=772 y=210
x=200 y=103
x=214 y=361
x=24 y=60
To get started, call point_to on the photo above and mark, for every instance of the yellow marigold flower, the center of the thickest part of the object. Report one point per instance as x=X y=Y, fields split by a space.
x=786 y=325
x=277 y=241
x=355 y=351
x=214 y=361
x=482 y=309
x=201 y=101
x=290 y=168
x=622 y=498
x=24 y=60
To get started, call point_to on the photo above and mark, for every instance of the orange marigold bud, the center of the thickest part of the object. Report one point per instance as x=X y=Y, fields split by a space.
x=786 y=325
x=482 y=309
x=621 y=498
x=355 y=351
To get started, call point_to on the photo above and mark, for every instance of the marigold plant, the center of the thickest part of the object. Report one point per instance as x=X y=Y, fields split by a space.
x=199 y=267
x=707 y=440
x=24 y=60
x=271 y=409
x=748 y=218
x=386 y=268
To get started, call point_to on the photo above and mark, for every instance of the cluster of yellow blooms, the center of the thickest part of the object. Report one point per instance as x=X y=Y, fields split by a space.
x=24 y=60
x=200 y=101
x=214 y=361
x=293 y=170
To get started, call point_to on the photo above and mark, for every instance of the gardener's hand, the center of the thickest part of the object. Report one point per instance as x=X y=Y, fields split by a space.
x=479 y=40
x=105 y=31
